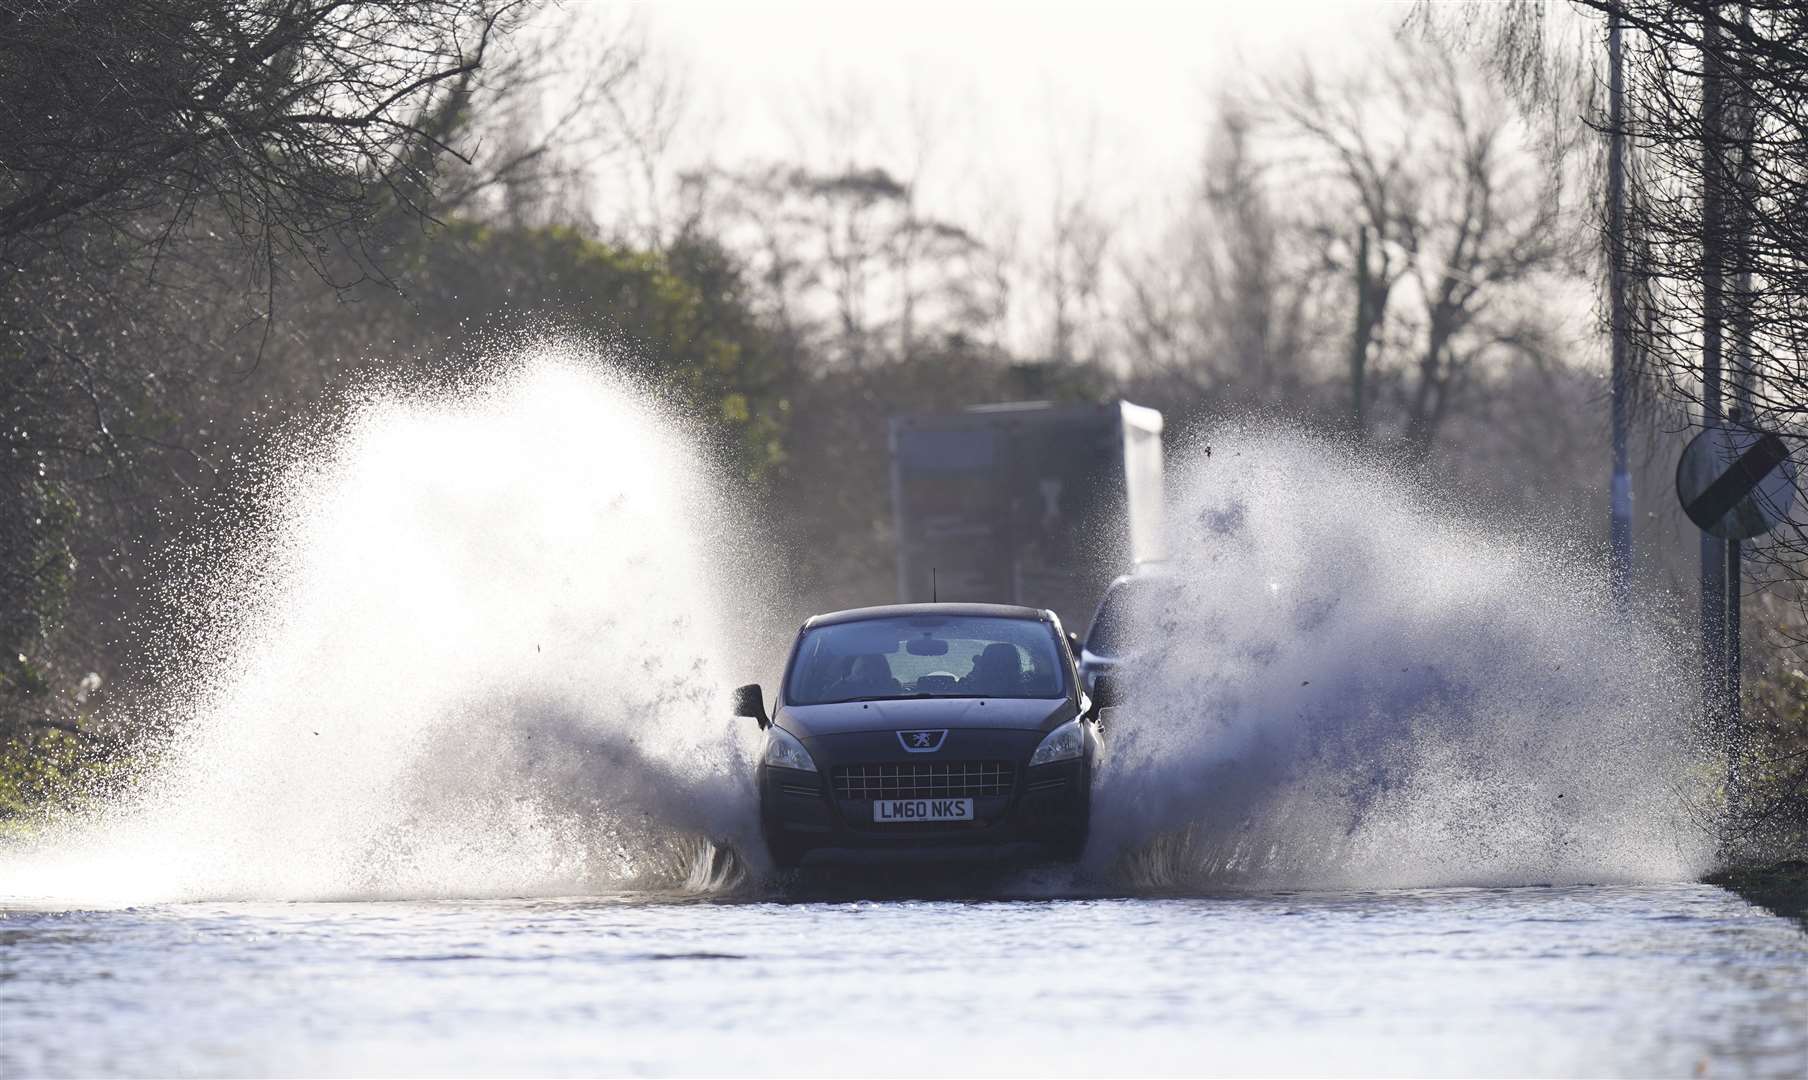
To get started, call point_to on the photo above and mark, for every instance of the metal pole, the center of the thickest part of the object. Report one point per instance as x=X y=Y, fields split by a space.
x=1714 y=555
x=1742 y=406
x=1359 y=341
x=1620 y=565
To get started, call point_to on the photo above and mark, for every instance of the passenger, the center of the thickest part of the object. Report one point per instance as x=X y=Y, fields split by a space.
x=996 y=670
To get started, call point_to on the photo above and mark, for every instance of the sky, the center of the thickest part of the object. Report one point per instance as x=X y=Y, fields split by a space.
x=1005 y=100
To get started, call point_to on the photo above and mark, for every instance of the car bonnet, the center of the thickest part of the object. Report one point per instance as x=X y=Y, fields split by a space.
x=844 y=717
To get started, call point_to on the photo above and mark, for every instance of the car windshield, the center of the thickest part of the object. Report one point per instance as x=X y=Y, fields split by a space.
x=1120 y=617
x=925 y=656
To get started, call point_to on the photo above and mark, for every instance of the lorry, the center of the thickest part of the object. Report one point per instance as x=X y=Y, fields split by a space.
x=1026 y=503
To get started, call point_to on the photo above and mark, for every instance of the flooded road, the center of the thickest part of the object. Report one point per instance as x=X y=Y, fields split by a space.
x=1632 y=981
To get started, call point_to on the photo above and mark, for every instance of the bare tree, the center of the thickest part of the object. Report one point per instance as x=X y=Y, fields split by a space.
x=1070 y=275
x=849 y=261
x=296 y=119
x=1223 y=310
x=1716 y=247
x=1443 y=217
x=160 y=161
x=1714 y=120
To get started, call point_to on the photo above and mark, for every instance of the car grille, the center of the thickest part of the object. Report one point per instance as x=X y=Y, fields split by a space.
x=913 y=780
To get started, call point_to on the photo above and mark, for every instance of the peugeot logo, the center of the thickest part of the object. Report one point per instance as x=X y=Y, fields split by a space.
x=922 y=742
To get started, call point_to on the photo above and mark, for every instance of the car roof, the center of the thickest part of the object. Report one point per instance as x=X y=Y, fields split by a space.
x=984 y=611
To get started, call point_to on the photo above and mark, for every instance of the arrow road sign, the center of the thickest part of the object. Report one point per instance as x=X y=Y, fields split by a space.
x=1736 y=482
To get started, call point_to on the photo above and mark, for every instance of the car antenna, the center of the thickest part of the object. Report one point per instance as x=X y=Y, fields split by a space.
x=934 y=590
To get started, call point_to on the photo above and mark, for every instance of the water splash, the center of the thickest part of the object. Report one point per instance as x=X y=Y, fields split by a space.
x=1344 y=685
x=480 y=644
x=476 y=649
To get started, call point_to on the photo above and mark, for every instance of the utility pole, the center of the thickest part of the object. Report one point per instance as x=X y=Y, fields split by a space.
x=1746 y=198
x=1359 y=345
x=1719 y=558
x=1620 y=565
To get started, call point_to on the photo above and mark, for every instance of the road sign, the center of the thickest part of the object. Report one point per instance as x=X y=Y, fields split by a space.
x=1736 y=482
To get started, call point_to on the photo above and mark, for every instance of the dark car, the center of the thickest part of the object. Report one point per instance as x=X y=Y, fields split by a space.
x=1124 y=609
x=927 y=732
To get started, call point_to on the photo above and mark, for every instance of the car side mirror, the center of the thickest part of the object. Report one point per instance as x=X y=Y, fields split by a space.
x=750 y=701
x=1104 y=694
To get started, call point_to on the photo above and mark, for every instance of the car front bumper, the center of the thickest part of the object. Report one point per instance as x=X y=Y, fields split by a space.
x=1044 y=814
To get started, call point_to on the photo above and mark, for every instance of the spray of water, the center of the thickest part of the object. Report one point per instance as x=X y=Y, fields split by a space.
x=1342 y=685
x=478 y=648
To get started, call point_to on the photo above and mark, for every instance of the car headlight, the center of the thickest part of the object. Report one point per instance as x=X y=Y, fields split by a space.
x=786 y=752
x=1065 y=742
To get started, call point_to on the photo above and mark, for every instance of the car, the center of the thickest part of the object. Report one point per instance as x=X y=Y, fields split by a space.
x=1126 y=604
x=927 y=732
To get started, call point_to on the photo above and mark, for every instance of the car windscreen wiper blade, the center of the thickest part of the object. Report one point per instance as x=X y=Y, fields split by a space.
x=880 y=697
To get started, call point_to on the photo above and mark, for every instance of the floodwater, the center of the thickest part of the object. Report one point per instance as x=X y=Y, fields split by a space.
x=1678 y=980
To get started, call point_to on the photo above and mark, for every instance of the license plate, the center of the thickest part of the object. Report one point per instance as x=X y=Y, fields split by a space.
x=923 y=810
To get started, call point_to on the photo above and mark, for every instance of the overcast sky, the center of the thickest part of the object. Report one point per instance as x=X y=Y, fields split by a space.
x=1013 y=92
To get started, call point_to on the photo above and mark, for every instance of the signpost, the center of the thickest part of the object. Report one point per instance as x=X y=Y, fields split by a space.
x=1735 y=483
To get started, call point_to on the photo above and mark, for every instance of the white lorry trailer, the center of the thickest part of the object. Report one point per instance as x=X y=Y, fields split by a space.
x=1026 y=503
